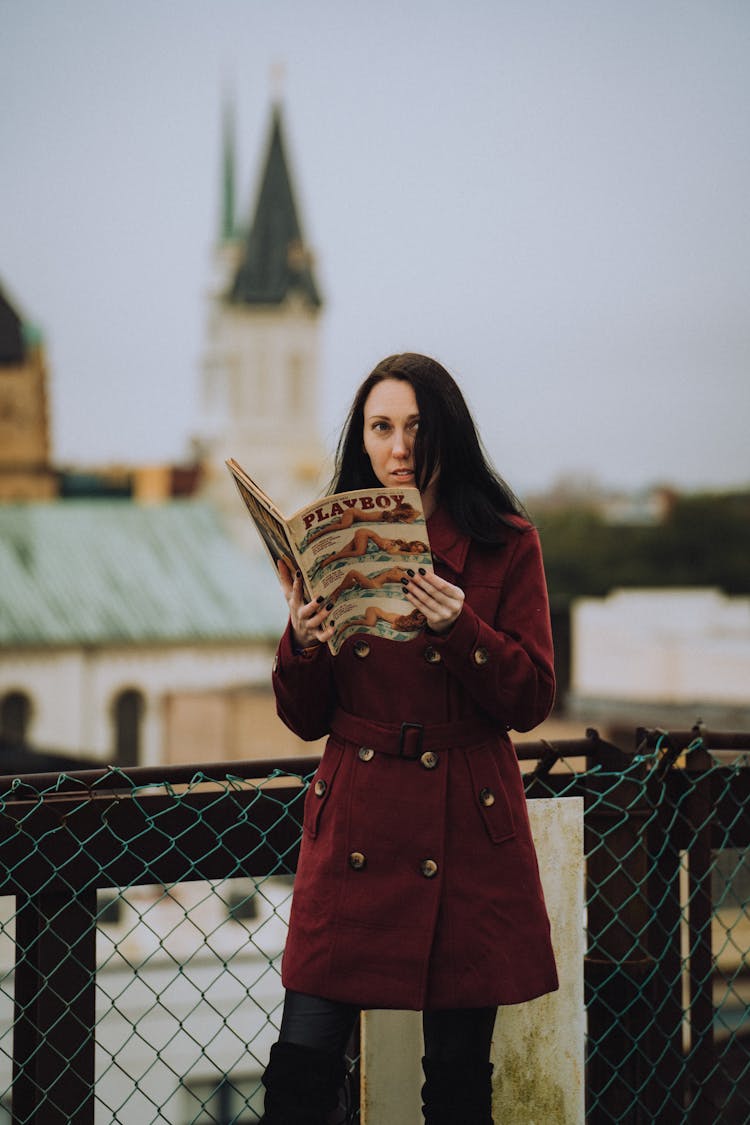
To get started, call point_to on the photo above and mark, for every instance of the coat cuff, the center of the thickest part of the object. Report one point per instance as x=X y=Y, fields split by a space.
x=461 y=638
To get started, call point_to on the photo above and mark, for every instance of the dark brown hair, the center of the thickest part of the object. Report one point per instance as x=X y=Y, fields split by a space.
x=447 y=440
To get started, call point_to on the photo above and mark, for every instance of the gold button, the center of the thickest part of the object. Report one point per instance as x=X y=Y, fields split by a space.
x=481 y=656
x=428 y=867
x=487 y=797
x=431 y=655
x=361 y=649
x=429 y=759
x=357 y=861
x=320 y=787
x=366 y=753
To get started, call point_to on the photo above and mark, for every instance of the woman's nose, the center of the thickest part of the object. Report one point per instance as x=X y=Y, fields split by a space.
x=401 y=445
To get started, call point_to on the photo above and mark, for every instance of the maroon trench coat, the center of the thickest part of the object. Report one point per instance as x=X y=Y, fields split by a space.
x=417 y=885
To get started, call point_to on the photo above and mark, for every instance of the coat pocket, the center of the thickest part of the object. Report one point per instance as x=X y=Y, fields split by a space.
x=320 y=788
x=491 y=795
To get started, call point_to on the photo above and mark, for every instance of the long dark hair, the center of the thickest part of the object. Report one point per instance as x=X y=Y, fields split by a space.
x=477 y=498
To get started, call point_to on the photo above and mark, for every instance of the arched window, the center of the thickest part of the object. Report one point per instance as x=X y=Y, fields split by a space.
x=15 y=713
x=128 y=711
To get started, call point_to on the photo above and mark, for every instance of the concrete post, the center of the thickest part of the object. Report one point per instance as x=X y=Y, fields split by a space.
x=538 y=1049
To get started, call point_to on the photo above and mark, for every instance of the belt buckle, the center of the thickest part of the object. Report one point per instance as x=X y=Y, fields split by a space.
x=405 y=728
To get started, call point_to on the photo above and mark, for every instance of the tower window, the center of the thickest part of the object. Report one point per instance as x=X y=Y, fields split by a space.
x=296 y=384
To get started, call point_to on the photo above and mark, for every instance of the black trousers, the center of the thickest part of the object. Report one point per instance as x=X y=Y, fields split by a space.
x=455 y=1033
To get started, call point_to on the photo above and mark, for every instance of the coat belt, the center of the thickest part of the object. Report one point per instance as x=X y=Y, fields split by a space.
x=409 y=740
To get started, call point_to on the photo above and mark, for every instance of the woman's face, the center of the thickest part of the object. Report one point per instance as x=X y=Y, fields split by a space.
x=391 y=421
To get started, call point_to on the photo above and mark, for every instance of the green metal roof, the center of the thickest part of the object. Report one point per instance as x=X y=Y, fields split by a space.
x=79 y=572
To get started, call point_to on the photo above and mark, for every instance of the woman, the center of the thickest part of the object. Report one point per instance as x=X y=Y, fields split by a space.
x=417 y=885
x=359 y=546
x=356 y=580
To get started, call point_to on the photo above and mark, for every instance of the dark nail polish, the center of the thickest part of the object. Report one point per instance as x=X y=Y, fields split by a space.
x=320 y=599
x=422 y=570
x=410 y=573
x=404 y=581
x=329 y=605
x=298 y=573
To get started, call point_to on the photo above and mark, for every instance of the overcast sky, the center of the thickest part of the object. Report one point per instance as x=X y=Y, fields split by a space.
x=552 y=198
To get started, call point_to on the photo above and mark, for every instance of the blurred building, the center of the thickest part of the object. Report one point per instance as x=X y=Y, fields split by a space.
x=25 y=470
x=261 y=377
x=661 y=656
x=138 y=611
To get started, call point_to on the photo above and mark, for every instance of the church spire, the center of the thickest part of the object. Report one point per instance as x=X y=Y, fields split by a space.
x=228 y=231
x=275 y=261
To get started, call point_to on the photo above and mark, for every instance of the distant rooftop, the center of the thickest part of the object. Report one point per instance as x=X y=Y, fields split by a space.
x=12 y=344
x=94 y=572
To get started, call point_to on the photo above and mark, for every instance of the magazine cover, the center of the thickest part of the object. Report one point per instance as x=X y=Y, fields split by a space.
x=353 y=549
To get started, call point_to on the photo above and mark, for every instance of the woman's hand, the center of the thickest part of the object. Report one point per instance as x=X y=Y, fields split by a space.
x=438 y=600
x=307 y=618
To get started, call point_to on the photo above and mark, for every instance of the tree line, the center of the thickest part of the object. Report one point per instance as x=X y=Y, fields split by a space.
x=704 y=540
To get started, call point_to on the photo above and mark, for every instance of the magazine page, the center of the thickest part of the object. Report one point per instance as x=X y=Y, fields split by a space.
x=271 y=526
x=354 y=549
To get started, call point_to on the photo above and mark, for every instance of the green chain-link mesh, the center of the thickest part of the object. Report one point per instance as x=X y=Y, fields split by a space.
x=177 y=972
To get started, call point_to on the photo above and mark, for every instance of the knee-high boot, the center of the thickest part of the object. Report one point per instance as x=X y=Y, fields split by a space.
x=457 y=1091
x=302 y=1085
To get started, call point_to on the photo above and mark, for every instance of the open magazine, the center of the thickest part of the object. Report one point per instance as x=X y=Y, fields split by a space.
x=352 y=549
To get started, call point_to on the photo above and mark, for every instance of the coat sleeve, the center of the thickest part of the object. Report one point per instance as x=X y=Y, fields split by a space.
x=507 y=666
x=304 y=688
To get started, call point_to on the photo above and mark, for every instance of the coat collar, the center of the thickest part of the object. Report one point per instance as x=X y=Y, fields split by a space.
x=448 y=542
x=451 y=545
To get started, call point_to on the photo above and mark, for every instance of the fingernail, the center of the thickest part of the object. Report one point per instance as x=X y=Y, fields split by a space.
x=329 y=605
x=298 y=573
x=404 y=581
x=422 y=570
x=410 y=573
x=320 y=599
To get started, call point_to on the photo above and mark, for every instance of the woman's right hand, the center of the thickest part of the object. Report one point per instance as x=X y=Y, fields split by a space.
x=307 y=618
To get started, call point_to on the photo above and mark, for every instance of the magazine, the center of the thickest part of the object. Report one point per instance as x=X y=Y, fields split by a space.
x=352 y=550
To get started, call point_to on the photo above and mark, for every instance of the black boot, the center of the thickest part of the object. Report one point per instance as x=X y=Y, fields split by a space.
x=457 y=1091
x=302 y=1085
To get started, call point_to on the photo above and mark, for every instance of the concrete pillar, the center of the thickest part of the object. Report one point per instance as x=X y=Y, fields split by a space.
x=538 y=1049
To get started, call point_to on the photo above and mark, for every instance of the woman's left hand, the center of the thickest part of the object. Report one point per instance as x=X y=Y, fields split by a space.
x=438 y=600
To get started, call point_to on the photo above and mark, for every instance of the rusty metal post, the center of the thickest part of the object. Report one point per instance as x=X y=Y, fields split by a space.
x=699 y=812
x=55 y=1001
x=618 y=964
x=665 y=844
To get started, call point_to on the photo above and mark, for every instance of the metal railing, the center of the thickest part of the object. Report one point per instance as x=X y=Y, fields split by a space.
x=166 y=1012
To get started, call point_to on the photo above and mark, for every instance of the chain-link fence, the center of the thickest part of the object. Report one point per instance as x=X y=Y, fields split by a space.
x=158 y=1001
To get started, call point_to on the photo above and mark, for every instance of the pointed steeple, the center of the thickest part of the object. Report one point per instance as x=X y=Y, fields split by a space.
x=228 y=231
x=275 y=261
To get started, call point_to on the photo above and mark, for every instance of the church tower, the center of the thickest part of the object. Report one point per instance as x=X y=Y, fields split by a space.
x=261 y=370
x=25 y=472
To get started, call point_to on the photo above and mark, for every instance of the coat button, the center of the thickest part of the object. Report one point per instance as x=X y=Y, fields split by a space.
x=357 y=861
x=276 y=663
x=320 y=787
x=366 y=753
x=481 y=656
x=431 y=655
x=428 y=867
x=487 y=797
x=429 y=759
x=361 y=649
